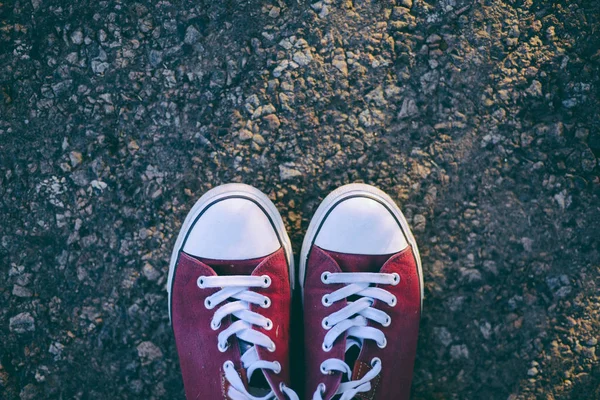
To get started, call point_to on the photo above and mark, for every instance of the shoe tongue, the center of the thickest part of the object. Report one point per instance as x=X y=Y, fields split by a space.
x=359 y=262
x=232 y=267
x=258 y=385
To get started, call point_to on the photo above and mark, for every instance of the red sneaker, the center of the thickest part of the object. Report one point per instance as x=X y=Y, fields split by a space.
x=362 y=284
x=230 y=283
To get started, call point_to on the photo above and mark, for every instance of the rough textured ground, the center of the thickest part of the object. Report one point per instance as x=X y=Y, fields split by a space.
x=481 y=118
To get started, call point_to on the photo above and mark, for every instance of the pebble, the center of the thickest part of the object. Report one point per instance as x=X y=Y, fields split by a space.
x=339 y=62
x=22 y=323
x=99 y=67
x=77 y=37
x=406 y=3
x=150 y=272
x=245 y=134
x=272 y=121
x=274 y=13
x=459 y=351
x=302 y=58
x=75 y=157
x=535 y=89
x=286 y=173
x=409 y=109
x=148 y=351
x=21 y=291
x=419 y=223
x=192 y=36
x=443 y=335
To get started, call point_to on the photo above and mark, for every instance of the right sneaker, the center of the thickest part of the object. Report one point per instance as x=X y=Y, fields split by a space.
x=230 y=284
x=362 y=287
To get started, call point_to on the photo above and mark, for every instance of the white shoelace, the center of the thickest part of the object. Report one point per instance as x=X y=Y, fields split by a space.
x=239 y=288
x=353 y=319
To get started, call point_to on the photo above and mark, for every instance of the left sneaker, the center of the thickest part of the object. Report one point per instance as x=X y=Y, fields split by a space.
x=362 y=284
x=230 y=284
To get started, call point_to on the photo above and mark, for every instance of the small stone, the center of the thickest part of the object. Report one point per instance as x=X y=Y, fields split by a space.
x=56 y=348
x=99 y=67
x=532 y=371
x=22 y=323
x=409 y=109
x=77 y=37
x=274 y=13
x=406 y=3
x=589 y=353
x=259 y=139
x=419 y=223
x=155 y=57
x=29 y=392
x=148 y=351
x=245 y=134
x=443 y=335
x=434 y=38
x=486 y=330
x=302 y=58
x=471 y=275
x=75 y=157
x=150 y=272
x=21 y=291
x=588 y=160
x=192 y=36
x=286 y=172
x=535 y=89
x=340 y=63
x=563 y=200
x=272 y=121
x=527 y=244
x=459 y=351
x=133 y=146
x=490 y=266
x=96 y=184
x=280 y=68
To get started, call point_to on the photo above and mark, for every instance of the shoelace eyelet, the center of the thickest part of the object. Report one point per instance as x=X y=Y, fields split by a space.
x=325 y=301
x=277 y=369
x=326 y=348
x=388 y=322
x=325 y=276
x=322 y=388
x=382 y=345
x=374 y=361
x=324 y=371
x=269 y=325
x=396 y=278
x=208 y=304
x=223 y=349
x=200 y=282
x=272 y=348
x=266 y=303
x=266 y=281
x=227 y=364
x=393 y=302
x=214 y=326
x=325 y=324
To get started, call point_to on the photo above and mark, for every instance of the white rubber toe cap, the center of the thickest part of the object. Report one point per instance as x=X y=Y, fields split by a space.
x=232 y=229
x=360 y=225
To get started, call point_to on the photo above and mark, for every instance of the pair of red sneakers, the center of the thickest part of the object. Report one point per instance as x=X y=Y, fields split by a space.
x=230 y=286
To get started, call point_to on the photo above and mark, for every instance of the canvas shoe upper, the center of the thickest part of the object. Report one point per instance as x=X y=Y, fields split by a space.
x=230 y=285
x=362 y=291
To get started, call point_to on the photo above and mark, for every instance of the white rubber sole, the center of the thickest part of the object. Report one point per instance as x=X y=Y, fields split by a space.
x=222 y=192
x=344 y=192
